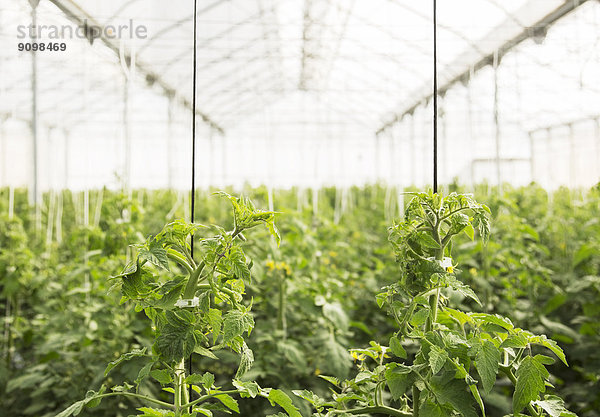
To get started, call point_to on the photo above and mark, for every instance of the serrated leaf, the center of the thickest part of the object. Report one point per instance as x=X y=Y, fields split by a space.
x=437 y=358
x=229 y=402
x=143 y=373
x=454 y=393
x=554 y=406
x=161 y=375
x=246 y=361
x=487 y=359
x=207 y=379
x=214 y=319
x=336 y=314
x=249 y=389
x=235 y=323
x=531 y=378
x=420 y=317
x=399 y=378
x=153 y=412
x=280 y=398
x=397 y=348
x=156 y=254
x=204 y=352
x=135 y=353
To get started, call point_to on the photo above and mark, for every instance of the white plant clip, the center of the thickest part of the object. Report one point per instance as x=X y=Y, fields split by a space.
x=188 y=302
x=446 y=263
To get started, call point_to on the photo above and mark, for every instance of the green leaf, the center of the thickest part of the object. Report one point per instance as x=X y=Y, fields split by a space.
x=214 y=319
x=453 y=392
x=161 y=375
x=420 y=317
x=531 y=380
x=235 y=323
x=74 y=409
x=397 y=348
x=280 y=398
x=246 y=361
x=144 y=372
x=399 y=378
x=204 y=352
x=430 y=409
x=229 y=402
x=336 y=314
x=486 y=363
x=153 y=412
x=554 y=406
x=125 y=357
x=437 y=358
x=207 y=379
x=249 y=389
x=155 y=253
x=550 y=344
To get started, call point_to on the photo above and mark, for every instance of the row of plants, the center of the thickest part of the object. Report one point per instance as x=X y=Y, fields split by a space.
x=312 y=299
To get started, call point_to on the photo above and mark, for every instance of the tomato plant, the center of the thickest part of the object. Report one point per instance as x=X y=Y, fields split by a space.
x=198 y=309
x=444 y=357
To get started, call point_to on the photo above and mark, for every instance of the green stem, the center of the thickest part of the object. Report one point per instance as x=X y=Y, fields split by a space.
x=138 y=396
x=177 y=386
x=208 y=397
x=281 y=322
x=382 y=409
x=177 y=257
x=416 y=396
x=190 y=288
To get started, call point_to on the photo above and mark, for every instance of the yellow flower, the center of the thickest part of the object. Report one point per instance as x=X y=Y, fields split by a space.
x=326 y=261
x=333 y=254
x=270 y=265
x=357 y=356
x=317 y=371
x=449 y=269
x=473 y=271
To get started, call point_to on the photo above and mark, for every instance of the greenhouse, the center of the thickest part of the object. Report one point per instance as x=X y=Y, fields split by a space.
x=300 y=208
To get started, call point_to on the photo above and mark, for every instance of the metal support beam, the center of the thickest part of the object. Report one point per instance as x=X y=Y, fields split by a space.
x=78 y=15
x=534 y=31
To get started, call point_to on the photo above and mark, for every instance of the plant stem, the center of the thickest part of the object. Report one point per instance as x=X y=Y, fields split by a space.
x=177 y=257
x=416 y=396
x=208 y=397
x=190 y=288
x=382 y=409
x=138 y=396
x=281 y=322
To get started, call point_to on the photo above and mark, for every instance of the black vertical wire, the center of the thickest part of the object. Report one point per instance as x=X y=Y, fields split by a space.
x=193 y=188
x=435 y=101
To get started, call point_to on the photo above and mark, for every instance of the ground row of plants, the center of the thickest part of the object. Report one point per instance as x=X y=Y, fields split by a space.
x=339 y=305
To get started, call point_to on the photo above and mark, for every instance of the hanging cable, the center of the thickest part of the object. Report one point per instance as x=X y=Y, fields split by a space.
x=435 y=101
x=193 y=188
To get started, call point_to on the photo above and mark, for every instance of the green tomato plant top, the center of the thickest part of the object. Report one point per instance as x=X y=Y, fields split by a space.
x=198 y=309
x=440 y=359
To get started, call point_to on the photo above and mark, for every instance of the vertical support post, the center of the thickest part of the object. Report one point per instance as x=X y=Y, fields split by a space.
x=413 y=152
x=470 y=121
x=444 y=136
x=532 y=156
x=572 y=163
x=170 y=144
x=126 y=137
x=497 y=121
x=35 y=193
x=597 y=129
x=66 y=135
x=3 y=153
x=211 y=158
x=377 y=158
